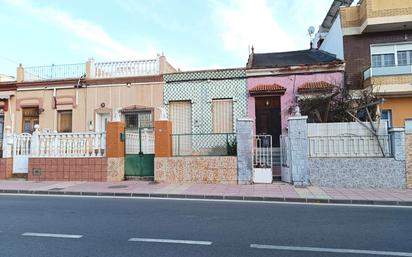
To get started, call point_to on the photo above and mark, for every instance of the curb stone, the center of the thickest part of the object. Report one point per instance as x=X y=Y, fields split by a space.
x=210 y=197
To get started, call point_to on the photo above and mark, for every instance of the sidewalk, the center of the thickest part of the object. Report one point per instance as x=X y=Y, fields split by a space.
x=259 y=192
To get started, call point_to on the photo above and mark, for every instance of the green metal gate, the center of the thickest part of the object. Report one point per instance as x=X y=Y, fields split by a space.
x=139 y=159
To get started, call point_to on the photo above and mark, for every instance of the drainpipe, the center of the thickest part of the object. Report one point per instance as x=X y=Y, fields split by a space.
x=55 y=107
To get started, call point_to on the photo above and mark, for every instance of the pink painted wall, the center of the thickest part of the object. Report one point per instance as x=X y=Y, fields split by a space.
x=291 y=83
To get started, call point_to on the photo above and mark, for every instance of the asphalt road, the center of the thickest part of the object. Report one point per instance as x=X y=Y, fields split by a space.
x=68 y=226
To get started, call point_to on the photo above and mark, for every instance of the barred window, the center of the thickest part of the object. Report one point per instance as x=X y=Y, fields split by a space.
x=136 y=120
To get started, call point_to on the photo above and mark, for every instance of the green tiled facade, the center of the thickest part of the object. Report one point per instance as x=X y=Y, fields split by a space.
x=201 y=87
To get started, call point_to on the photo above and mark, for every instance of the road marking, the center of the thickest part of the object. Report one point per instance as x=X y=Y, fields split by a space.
x=170 y=241
x=329 y=250
x=52 y=235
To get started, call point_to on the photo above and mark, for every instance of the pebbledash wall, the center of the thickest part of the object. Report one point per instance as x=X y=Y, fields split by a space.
x=365 y=172
x=196 y=169
x=201 y=87
x=408 y=157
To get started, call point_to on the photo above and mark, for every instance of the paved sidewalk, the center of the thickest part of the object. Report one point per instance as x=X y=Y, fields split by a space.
x=259 y=192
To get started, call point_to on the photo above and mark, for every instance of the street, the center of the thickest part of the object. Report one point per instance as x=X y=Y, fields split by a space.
x=89 y=226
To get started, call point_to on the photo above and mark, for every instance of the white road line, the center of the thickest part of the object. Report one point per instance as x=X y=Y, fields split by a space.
x=329 y=250
x=170 y=241
x=52 y=235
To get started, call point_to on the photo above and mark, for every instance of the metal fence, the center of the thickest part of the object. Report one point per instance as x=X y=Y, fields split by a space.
x=262 y=151
x=140 y=141
x=61 y=71
x=349 y=146
x=221 y=144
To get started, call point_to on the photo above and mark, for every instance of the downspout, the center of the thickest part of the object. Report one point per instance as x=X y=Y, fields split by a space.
x=55 y=111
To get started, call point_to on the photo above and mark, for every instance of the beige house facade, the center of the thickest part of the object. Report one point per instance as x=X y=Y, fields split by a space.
x=59 y=99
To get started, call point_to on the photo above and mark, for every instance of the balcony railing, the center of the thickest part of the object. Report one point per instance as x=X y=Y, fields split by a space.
x=387 y=71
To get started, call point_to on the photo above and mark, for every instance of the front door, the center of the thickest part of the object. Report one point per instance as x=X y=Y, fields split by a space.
x=30 y=119
x=268 y=117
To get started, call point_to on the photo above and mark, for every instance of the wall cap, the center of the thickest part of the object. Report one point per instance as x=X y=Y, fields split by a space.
x=245 y=119
x=298 y=118
x=397 y=130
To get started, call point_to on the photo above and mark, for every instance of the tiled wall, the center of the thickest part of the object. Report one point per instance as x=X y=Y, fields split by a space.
x=196 y=169
x=201 y=87
x=6 y=167
x=68 y=169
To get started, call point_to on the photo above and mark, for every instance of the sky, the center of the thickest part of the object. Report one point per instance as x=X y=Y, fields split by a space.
x=192 y=34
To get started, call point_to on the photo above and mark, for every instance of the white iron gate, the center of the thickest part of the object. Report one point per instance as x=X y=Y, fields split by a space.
x=262 y=159
x=21 y=152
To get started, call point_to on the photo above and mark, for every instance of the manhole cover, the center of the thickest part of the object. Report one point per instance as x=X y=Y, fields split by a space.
x=57 y=188
x=118 y=186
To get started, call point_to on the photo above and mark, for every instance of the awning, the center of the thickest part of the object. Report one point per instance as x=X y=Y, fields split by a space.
x=267 y=89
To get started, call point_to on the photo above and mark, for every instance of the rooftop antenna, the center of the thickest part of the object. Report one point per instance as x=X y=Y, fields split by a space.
x=311 y=31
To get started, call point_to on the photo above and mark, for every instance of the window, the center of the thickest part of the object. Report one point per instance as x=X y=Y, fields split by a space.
x=64 y=121
x=222 y=115
x=404 y=57
x=136 y=120
x=30 y=119
x=382 y=60
x=376 y=60
x=387 y=115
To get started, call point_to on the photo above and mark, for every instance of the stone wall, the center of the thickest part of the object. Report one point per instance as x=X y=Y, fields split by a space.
x=68 y=169
x=196 y=169
x=6 y=168
x=357 y=172
x=408 y=146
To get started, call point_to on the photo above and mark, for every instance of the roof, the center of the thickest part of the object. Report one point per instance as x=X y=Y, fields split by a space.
x=332 y=14
x=315 y=87
x=265 y=89
x=293 y=58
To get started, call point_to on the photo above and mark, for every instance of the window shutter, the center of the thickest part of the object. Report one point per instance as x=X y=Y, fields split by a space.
x=222 y=115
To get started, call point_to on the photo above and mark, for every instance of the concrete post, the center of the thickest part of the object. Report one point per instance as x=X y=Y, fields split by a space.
x=408 y=152
x=35 y=142
x=162 y=64
x=398 y=143
x=298 y=138
x=90 y=69
x=244 y=135
x=20 y=73
x=115 y=151
x=7 y=142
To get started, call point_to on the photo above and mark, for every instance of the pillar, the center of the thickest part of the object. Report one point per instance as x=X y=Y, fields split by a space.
x=163 y=138
x=398 y=143
x=298 y=143
x=20 y=73
x=408 y=152
x=115 y=151
x=244 y=136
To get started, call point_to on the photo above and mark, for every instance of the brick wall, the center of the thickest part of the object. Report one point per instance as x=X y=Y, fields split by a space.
x=6 y=168
x=68 y=169
x=408 y=152
x=357 y=52
x=196 y=169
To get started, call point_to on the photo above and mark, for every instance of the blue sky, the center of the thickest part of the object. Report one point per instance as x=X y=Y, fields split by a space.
x=193 y=34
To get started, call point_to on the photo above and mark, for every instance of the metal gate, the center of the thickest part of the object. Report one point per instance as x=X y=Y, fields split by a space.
x=21 y=153
x=139 y=159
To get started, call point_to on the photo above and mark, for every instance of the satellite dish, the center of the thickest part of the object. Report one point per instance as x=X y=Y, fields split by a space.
x=311 y=30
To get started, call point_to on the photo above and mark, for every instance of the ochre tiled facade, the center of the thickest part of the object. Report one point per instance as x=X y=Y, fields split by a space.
x=196 y=169
x=6 y=168
x=68 y=169
x=408 y=152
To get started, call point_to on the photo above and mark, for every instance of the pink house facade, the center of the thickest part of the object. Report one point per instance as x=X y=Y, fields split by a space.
x=276 y=80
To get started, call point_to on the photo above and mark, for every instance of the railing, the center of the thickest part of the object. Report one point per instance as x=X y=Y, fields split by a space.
x=52 y=72
x=387 y=70
x=221 y=144
x=126 y=68
x=21 y=144
x=71 y=145
x=262 y=151
x=141 y=141
x=349 y=146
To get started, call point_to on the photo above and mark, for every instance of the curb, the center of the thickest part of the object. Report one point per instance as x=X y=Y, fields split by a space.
x=209 y=197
